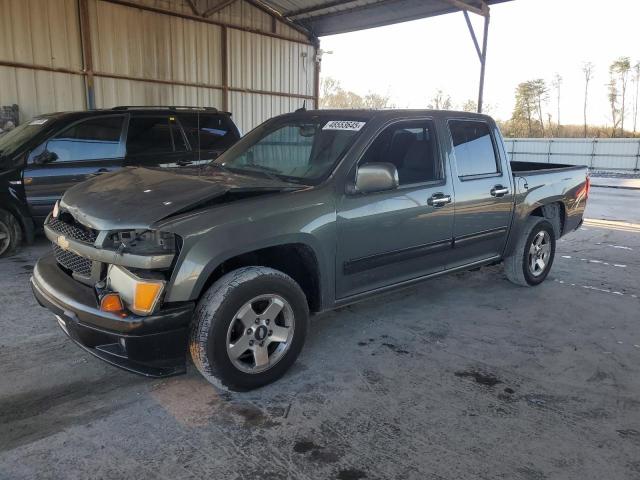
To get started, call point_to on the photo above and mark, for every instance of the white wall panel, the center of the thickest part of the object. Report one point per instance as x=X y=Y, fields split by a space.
x=250 y=110
x=111 y=92
x=265 y=63
x=597 y=153
x=39 y=92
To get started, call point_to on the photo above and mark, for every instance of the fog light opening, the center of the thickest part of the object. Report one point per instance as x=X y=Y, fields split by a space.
x=111 y=302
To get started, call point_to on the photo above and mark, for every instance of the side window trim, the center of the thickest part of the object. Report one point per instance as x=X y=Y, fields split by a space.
x=438 y=152
x=185 y=139
x=121 y=144
x=497 y=157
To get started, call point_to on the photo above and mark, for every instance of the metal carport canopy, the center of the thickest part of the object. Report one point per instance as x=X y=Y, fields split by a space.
x=329 y=17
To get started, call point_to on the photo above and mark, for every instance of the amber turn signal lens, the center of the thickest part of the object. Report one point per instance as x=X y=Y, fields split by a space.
x=147 y=294
x=111 y=302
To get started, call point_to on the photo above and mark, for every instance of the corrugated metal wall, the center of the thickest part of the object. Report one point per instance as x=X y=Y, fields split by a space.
x=144 y=56
x=44 y=33
x=596 y=153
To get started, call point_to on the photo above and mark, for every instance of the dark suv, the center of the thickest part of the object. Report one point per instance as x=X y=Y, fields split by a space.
x=41 y=159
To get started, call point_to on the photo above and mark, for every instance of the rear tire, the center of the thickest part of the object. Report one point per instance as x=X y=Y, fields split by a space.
x=532 y=257
x=248 y=329
x=10 y=233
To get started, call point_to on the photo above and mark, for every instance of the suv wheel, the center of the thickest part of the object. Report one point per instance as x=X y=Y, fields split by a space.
x=248 y=328
x=533 y=256
x=10 y=233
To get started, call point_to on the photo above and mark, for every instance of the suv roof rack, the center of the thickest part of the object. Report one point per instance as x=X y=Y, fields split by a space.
x=164 y=107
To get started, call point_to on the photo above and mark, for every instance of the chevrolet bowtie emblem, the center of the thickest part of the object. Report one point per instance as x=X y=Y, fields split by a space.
x=63 y=242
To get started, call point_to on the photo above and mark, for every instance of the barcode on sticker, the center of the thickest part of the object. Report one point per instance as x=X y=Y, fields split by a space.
x=343 y=125
x=38 y=121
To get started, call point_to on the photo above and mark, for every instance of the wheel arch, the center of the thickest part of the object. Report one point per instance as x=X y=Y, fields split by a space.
x=292 y=256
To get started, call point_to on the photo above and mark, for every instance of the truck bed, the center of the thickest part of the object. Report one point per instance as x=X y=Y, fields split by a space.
x=523 y=168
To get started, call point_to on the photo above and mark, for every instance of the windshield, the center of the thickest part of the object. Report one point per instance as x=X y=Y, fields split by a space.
x=295 y=150
x=11 y=141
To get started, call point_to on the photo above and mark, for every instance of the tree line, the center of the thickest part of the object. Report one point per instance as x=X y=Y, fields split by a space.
x=537 y=111
x=533 y=117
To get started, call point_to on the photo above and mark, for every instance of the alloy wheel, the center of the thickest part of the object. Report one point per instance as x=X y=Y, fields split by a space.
x=260 y=333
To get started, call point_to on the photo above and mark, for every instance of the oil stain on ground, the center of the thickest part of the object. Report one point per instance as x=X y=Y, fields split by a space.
x=486 y=379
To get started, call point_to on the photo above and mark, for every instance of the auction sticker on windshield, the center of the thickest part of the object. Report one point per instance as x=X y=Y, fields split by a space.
x=344 y=125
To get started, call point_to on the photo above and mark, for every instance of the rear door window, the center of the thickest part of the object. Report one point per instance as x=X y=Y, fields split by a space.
x=152 y=134
x=91 y=139
x=209 y=132
x=473 y=148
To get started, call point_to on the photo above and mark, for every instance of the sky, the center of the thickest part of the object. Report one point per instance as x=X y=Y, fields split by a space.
x=528 y=39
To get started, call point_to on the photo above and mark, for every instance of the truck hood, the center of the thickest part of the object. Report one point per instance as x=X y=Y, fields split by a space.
x=139 y=197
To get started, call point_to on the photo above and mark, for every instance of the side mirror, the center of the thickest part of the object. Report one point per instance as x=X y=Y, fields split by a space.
x=376 y=177
x=45 y=157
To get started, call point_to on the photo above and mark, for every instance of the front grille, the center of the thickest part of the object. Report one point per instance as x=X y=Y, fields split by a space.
x=73 y=262
x=74 y=231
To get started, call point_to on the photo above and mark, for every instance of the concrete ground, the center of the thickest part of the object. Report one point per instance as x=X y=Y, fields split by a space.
x=465 y=377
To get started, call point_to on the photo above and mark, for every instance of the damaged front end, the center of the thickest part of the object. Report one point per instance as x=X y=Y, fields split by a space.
x=106 y=288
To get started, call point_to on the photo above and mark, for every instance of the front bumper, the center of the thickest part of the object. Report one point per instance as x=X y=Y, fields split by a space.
x=154 y=346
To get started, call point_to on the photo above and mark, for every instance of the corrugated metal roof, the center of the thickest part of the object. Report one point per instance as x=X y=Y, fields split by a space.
x=328 y=17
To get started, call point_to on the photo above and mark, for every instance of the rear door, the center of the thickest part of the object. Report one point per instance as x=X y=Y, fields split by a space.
x=209 y=134
x=484 y=195
x=88 y=147
x=156 y=140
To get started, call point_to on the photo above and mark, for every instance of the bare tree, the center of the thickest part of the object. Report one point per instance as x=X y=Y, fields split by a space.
x=440 y=101
x=557 y=83
x=587 y=69
x=636 y=81
x=621 y=68
x=612 y=95
x=540 y=93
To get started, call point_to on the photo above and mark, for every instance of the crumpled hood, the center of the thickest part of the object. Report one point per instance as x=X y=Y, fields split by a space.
x=138 y=197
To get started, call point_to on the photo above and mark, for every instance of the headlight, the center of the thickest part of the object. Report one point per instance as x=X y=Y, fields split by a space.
x=144 y=241
x=140 y=295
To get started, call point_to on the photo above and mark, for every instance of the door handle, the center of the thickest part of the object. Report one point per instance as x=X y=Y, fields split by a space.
x=183 y=163
x=499 y=191
x=100 y=171
x=439 y=200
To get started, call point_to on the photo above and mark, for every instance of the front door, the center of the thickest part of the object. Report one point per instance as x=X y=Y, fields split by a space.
x=84 y=149
x=389 y=237
x=484 y=194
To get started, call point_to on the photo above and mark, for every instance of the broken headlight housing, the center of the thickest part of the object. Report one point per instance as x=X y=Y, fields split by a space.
x=144 y=242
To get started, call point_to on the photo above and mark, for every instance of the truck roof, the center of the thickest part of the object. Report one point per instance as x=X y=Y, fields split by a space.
x=370 y=114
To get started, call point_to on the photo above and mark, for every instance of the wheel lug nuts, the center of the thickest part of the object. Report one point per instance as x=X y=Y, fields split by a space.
x=251 y=343
x=262 y=344
x=257 y=320
x=249 y=331
x=270 y=332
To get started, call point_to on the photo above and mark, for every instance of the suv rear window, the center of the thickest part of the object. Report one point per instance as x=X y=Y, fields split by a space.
x=156 y=134
x=210 y=132
x=473 y=148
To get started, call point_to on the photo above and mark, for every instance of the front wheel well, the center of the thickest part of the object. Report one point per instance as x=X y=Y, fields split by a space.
x=554 y=212
x=295 y=259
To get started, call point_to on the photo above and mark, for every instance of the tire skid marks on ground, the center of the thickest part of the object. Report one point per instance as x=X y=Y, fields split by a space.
x=601 y=262
x=597 y=289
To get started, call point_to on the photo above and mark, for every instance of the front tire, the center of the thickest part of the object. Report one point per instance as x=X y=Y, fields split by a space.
x=531 y=260
x=249 y=327
x=10 y=233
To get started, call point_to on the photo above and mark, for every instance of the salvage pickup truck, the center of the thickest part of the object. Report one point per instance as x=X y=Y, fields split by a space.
x=310 y=211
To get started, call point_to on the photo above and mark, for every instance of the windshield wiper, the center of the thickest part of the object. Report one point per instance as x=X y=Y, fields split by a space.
x=268 y=172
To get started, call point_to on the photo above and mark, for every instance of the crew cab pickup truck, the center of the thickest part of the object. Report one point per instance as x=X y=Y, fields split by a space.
x=310 y=211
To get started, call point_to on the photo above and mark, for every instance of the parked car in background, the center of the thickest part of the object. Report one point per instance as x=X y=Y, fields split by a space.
x=308 y=212
x=42 y=158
